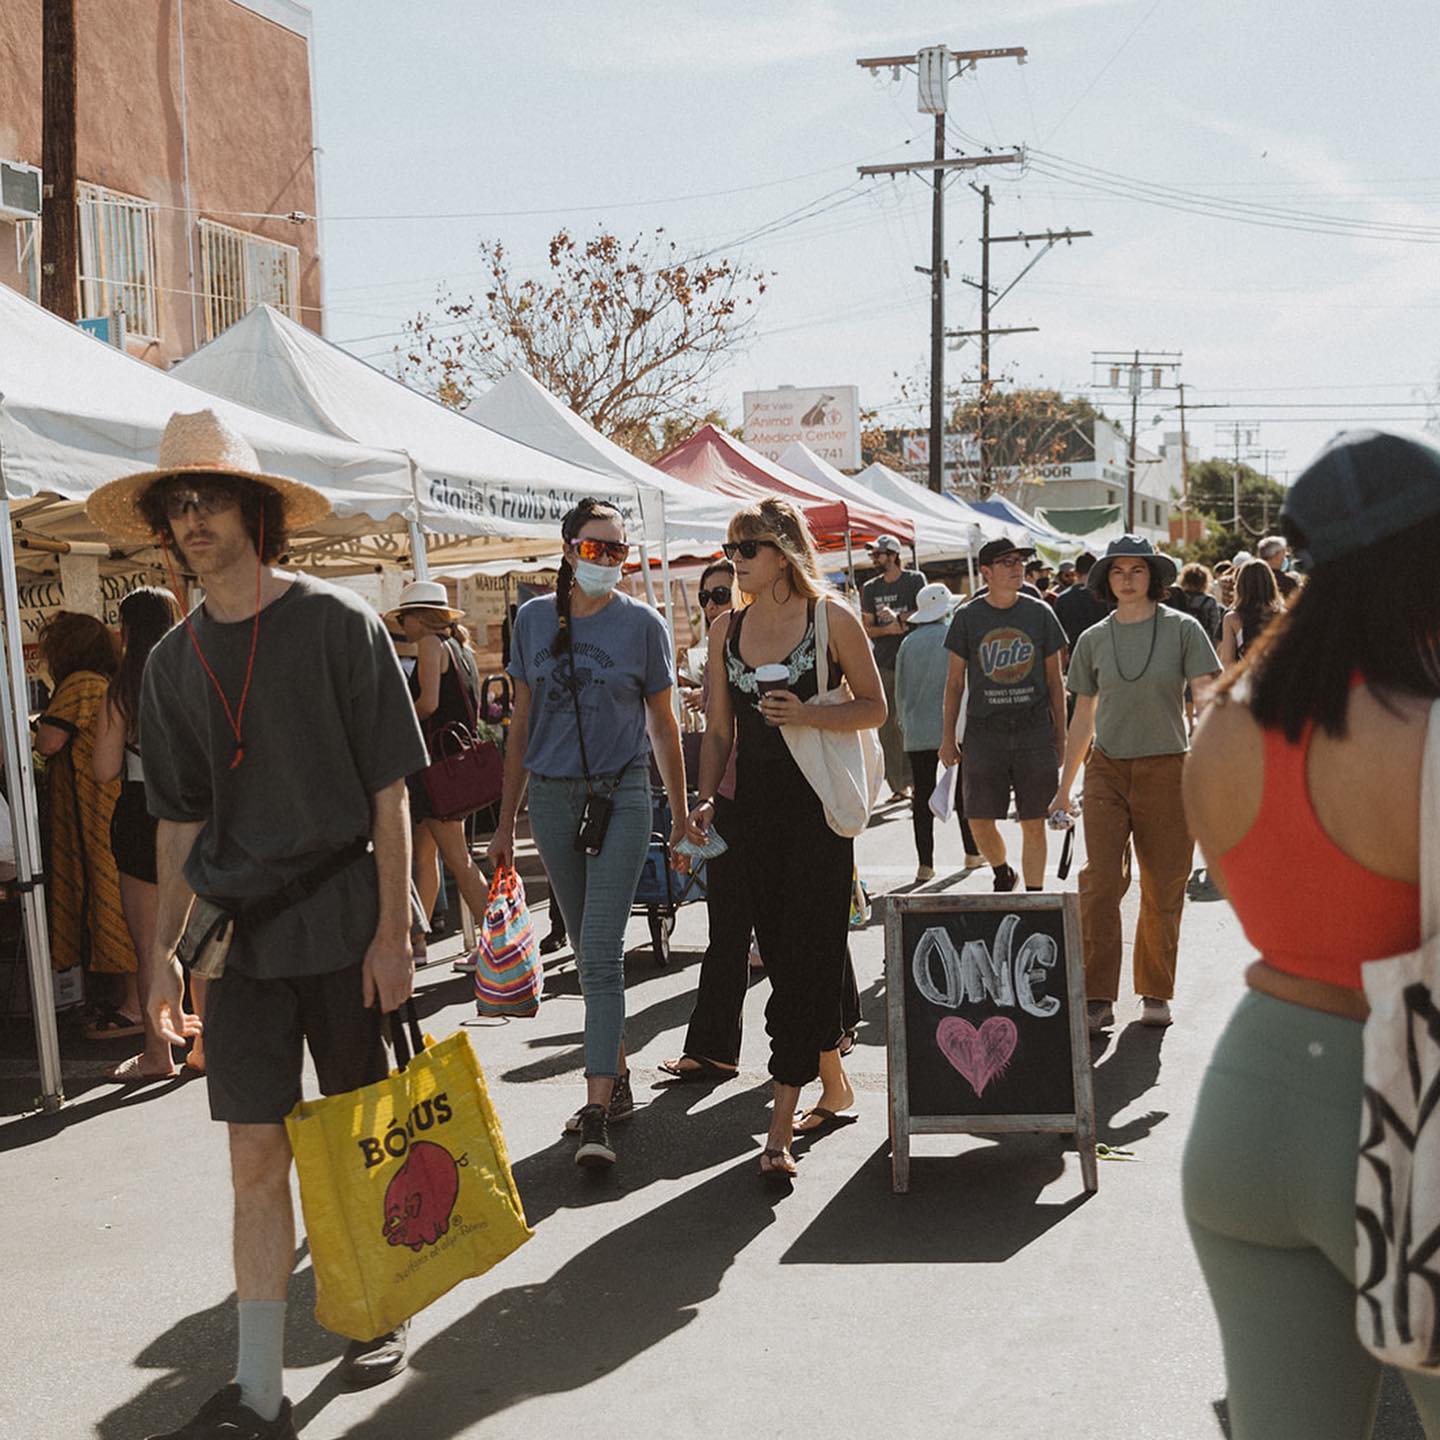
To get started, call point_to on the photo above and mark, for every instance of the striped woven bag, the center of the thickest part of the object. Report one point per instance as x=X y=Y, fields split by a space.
x=509 y=979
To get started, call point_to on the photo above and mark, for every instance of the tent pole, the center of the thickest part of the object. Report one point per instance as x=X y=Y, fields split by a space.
x=850 y=557
x=669 y=602
x=645 y=578
x=24 y=819
x=970 y=564
x=419 y=555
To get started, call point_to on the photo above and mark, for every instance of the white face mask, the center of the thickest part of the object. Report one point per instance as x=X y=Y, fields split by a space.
x=596 y=580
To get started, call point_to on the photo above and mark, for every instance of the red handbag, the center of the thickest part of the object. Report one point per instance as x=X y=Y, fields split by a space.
x=465 y=774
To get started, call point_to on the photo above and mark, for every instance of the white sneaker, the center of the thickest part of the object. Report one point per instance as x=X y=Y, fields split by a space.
x=1155 y=1012
x=1099 y=1016
x=924 y=873
x=975 y=862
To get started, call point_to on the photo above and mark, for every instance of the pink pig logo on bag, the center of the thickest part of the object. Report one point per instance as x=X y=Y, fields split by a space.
x=421 y=1195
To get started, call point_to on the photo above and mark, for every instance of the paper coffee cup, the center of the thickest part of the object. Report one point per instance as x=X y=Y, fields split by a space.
x=771 y=677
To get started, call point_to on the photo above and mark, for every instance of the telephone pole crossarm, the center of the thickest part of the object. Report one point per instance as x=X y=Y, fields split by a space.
x=1051 y=235
x=965 y=57
x=992 y=330
x=959 y=163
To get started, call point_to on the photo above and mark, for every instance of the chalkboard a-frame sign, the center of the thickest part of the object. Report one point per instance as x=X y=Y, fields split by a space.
x=985 y=1021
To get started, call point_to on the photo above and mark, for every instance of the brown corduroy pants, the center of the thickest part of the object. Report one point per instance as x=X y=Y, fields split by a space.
x=1137 y=799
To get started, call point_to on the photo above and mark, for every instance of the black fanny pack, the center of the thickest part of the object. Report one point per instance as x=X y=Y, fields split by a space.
x=211 y=925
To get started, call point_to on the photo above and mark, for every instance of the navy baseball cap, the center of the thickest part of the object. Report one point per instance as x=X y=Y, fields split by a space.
x=1363 y=487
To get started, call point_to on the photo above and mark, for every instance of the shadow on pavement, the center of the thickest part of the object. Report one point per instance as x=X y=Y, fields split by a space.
x=35 y=1127
x=1129 y=1071
x=976 y=1208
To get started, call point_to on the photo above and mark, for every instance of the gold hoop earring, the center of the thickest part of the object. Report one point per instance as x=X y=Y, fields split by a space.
x=789 y=588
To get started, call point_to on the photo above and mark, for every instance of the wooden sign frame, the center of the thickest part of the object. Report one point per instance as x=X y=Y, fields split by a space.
x=1080 y=1122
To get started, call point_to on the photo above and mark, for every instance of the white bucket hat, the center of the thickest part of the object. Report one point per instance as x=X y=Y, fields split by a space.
x=201 y=443
x=424 y=595
x=933 y=602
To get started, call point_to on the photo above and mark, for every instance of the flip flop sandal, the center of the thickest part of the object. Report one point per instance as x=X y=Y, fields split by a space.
x=128 y=1072
x=775 y=1172
x=829 y=1120
x=699 y=1069
x=113 y=1024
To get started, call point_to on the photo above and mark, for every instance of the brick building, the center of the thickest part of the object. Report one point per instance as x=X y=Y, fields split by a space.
x=194 y=119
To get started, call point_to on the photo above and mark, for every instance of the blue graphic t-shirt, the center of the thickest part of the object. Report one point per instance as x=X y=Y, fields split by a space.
x=1004 y=653
x=619 y=656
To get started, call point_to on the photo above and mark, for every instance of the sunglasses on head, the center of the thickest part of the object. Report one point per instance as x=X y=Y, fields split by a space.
x=746 y=549
x=205 y=497
x=720 y=595
x=596 y=551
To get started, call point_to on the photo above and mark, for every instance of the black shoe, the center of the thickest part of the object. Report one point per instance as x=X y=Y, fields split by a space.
x=622 y=1106
x=1005 y=878
x=555 y=940
x=223 y=1417
x=368 y=1362
x=595 y=1149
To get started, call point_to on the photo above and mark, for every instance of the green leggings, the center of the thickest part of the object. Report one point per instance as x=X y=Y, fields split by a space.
x=1269 y=1185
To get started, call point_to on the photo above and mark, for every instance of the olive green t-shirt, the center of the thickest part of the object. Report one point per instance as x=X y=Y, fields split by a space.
x=1141 y=690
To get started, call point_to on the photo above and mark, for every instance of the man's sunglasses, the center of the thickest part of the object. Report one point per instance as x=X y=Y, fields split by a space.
x=207 y=499
x=720 y=595
x=745 y=549
x=595 y=551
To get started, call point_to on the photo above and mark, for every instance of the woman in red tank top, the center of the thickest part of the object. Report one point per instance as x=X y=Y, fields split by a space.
x=1302 y=789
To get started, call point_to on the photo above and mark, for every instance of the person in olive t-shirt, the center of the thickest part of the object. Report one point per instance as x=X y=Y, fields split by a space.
x=1006 y=646
x=885 y=604
x=1129 y=674
x=277 y=732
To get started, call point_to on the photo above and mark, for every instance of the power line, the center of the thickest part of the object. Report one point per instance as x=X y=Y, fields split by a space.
x=1100 y=74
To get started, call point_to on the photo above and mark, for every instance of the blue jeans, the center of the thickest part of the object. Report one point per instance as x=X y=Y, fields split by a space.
x=595 y=894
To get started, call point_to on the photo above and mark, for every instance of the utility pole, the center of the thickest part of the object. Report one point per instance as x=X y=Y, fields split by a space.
x=1265 y=456
x=932 y=67
x=1184 y=465
x=1051 y=239
x=1239 y=432
x=59 y=226
x=1133 y=365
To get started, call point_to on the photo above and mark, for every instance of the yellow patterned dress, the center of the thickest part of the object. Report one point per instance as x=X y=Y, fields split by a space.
x=80 y=857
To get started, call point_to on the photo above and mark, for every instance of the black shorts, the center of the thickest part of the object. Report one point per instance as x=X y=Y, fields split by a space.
x=419 y=798
x=253 y=1035
x=997 y=760
x=132 y=833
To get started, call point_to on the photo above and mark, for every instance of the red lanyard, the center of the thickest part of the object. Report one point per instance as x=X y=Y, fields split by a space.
x=236 y=717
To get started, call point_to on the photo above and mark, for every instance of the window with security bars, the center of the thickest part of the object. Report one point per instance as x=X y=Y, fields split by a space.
x=27 y=256
x=240 y=271
x=119 y=270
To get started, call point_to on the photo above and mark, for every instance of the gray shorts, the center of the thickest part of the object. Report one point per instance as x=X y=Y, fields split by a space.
x=999 y=759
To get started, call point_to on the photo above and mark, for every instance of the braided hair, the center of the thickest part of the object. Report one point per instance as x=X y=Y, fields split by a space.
x=570 y=527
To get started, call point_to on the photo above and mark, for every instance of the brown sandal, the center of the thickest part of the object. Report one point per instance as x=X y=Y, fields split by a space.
x=781 y=1168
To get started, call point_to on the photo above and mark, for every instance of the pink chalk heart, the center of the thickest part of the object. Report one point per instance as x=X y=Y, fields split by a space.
x=979 y=1055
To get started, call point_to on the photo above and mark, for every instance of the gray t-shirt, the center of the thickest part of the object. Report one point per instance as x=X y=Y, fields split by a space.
x=328 y=723
x=899 y=595
x=621 y=656
x=1144 y=715
x=1005 y=653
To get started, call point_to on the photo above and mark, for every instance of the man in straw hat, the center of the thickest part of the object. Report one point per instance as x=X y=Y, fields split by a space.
x=277 y=733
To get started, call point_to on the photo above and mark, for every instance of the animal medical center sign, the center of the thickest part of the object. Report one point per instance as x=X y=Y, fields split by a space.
x=826 y=419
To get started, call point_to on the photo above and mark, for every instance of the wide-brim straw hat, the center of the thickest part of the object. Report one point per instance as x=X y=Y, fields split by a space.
x=201 y=443
x=427 y=595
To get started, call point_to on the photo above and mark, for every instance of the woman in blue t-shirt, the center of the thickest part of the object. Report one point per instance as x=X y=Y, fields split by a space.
x=593 y=671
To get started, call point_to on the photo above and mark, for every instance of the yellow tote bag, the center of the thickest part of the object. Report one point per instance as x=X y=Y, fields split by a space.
x=405 y=1185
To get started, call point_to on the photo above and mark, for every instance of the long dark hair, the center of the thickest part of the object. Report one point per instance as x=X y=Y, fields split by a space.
x=146 y=613
x=718 y=567
x=1257 y=599
x=570 y=527
x=1374 y=612
x=254 y=498
x=70 y=641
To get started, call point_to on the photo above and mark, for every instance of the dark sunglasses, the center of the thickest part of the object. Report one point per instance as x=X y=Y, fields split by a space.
x=595 y=551
x=720 y=595
x=209 y=497
x=745 y=549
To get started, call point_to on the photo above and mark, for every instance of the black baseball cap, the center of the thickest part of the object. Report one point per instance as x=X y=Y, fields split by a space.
x=1363 y=487
x=993 y=550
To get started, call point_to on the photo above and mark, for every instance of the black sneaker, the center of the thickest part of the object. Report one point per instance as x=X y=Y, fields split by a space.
x=595 y=1149
x=223 y=1417
x=1005 y=878
x=368 y=1362
x=622 y=1106
x=555 y=940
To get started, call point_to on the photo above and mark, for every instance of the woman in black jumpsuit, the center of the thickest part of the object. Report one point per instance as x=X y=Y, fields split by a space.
x=797 y=868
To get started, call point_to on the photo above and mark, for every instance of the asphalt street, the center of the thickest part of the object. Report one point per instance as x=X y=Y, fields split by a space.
x=675 y=1295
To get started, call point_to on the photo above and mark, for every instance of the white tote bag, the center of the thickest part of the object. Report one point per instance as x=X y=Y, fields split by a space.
x=1397 y=1193
x=844 y=767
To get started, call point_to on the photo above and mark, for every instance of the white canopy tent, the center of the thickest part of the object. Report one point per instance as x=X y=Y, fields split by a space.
x=470 y=480
x=881 y=480
x=936 y=537
x=74 y=414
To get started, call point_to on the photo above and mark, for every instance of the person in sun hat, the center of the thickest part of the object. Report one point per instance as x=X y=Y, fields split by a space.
x=920 y=671
x=445 y=686
x=1129 y=674
x=277 y=732
x=885 y=603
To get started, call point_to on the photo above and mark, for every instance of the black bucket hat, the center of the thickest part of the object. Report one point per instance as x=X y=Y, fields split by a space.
x=1364 y=486
x=1123 y=547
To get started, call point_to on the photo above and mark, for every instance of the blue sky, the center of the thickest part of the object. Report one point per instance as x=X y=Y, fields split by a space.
x=592 y=111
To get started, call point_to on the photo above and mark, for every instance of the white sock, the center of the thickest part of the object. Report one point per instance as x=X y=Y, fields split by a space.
x=260 y=1370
